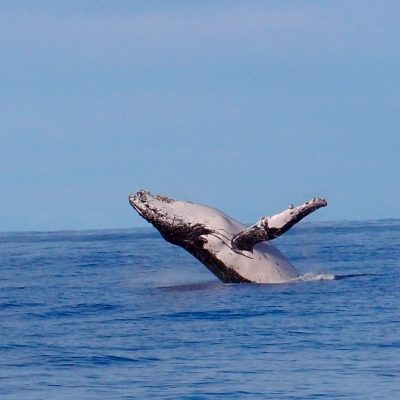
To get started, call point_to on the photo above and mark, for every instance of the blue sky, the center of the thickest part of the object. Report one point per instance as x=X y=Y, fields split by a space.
x=245 y=106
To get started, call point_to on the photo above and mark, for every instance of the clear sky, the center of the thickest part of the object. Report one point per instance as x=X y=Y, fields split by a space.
x=246 y=106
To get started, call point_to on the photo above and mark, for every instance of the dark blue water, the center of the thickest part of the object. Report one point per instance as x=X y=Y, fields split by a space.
x=124 y=315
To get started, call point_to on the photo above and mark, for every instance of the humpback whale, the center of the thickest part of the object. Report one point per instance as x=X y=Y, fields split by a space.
x=230 y=250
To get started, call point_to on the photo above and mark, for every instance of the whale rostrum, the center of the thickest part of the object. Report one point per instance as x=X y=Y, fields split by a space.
x=229 y=249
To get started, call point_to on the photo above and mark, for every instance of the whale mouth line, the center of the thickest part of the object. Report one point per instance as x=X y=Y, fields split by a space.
x=142 y=206
x=132 y=201
x=142 y=203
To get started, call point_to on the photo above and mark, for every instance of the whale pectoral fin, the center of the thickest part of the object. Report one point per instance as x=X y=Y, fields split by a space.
x=268 y=228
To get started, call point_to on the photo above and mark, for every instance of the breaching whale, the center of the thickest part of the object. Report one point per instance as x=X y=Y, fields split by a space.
x=229 y=249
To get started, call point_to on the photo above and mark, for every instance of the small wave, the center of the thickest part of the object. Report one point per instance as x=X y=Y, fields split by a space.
x=315 y=276
x=353 y=276
x=325 y=276
x=189 y=287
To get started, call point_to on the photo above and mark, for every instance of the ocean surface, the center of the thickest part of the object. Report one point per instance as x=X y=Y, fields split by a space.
x=122 y=314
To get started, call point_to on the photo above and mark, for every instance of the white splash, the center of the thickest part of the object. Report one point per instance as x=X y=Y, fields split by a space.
x=314 y=276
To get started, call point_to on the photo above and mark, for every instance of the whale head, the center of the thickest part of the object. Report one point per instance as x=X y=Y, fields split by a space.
x=204 y=232
x=179 y=222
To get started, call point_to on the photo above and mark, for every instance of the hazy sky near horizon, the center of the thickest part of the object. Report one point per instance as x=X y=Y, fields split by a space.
x=244 y=106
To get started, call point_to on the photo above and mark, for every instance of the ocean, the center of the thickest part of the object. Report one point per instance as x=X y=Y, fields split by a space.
x=122 y=314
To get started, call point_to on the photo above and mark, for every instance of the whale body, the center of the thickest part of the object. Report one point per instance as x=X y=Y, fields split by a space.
x=230 y=250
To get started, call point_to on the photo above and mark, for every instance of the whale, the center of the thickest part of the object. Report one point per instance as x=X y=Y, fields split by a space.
x=232 y=251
